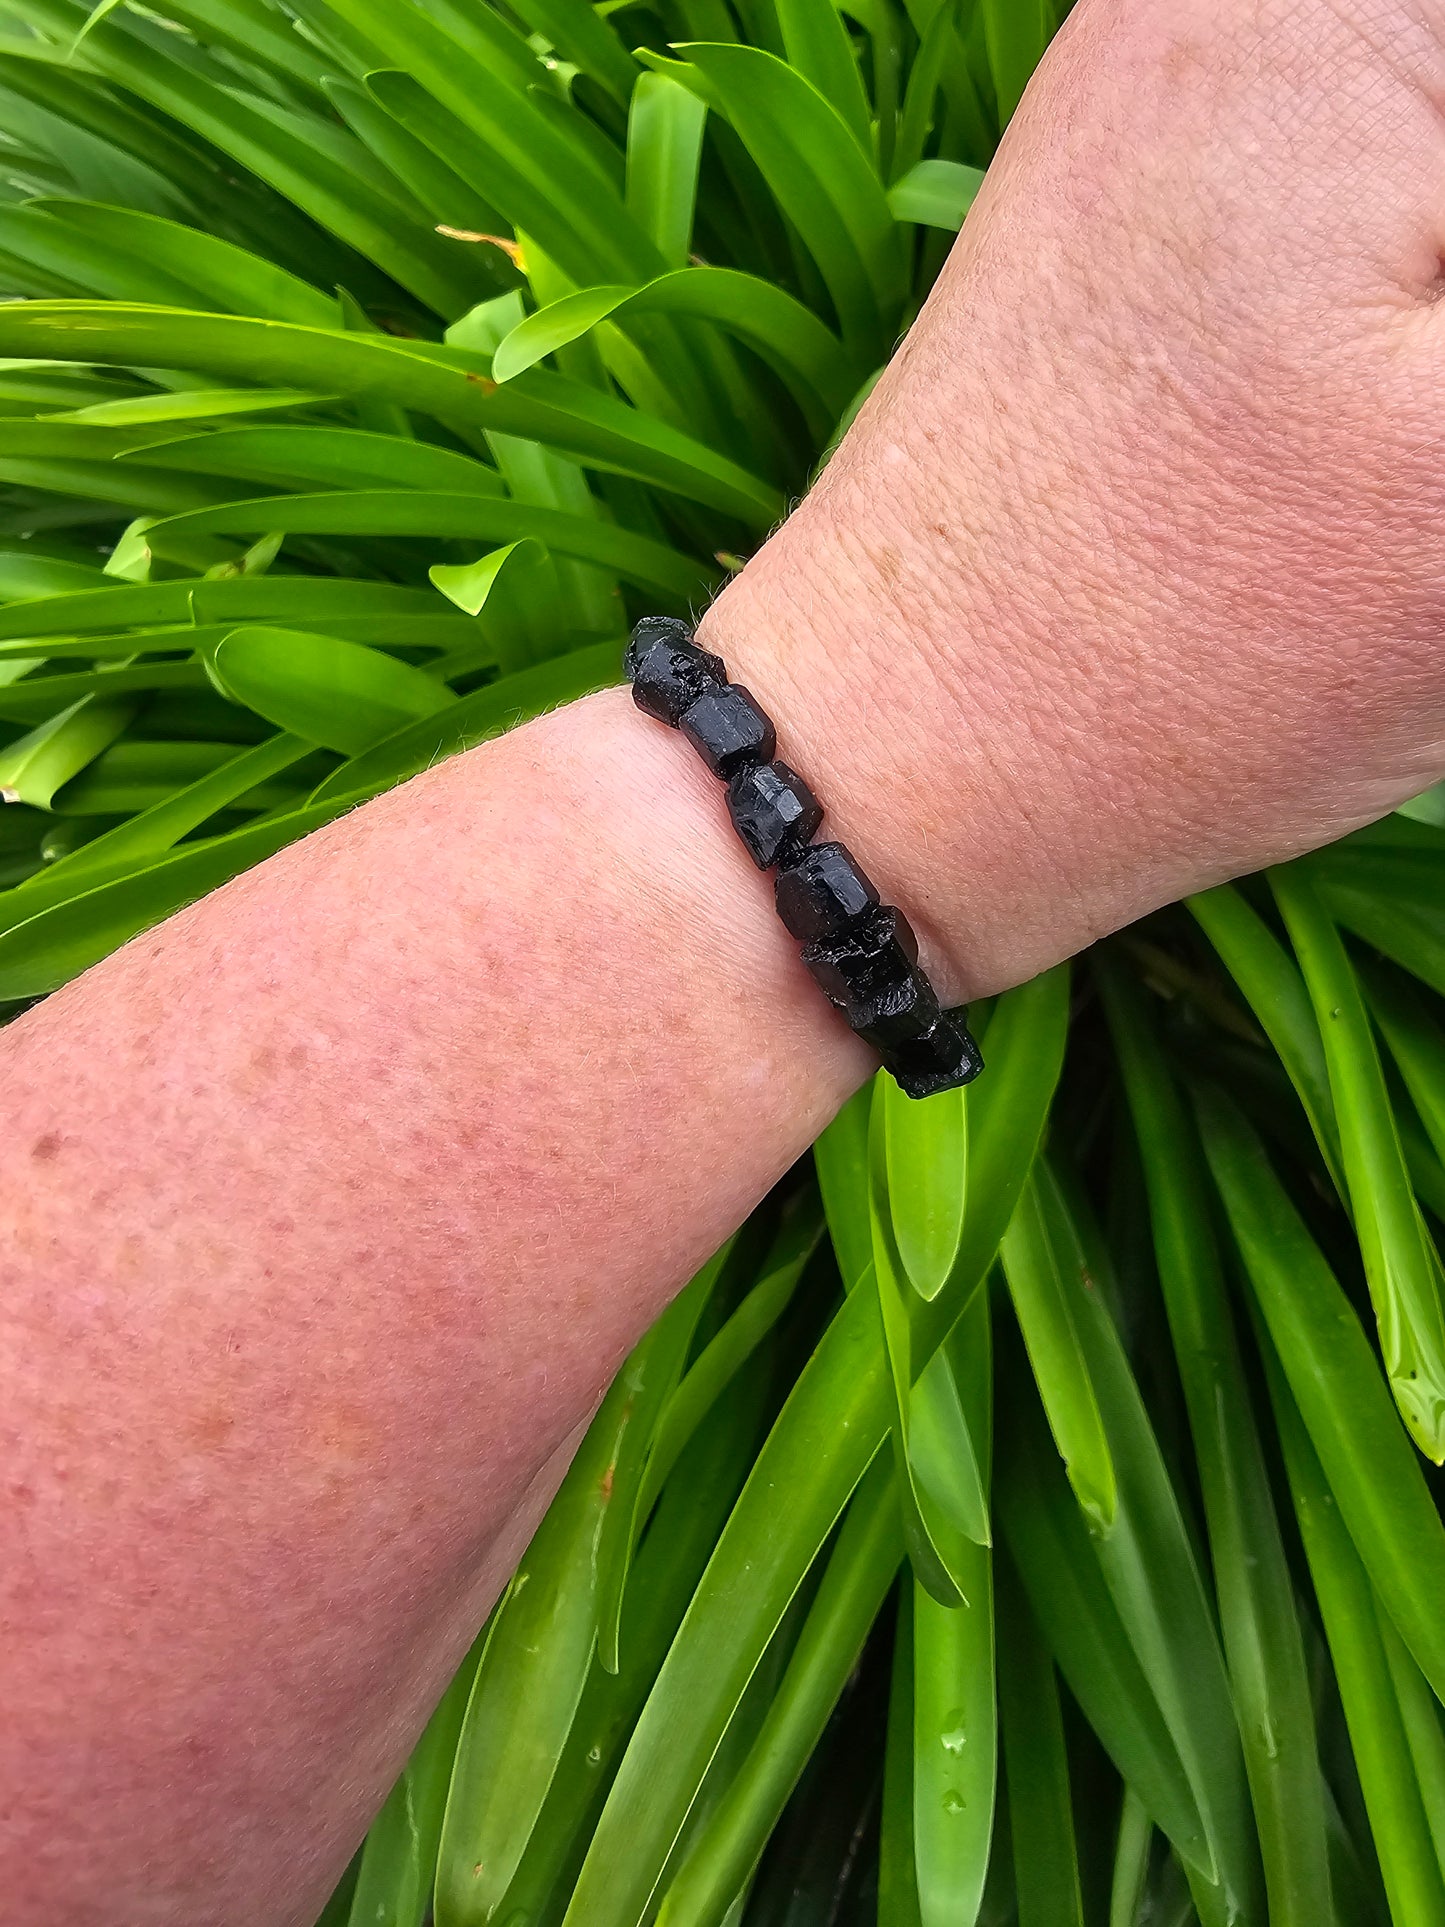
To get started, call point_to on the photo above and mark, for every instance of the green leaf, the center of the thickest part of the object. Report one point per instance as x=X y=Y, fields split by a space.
x=469 y=584
x=1025 y=1041
x=935 y=193
x=692 y=1512
x=1263 y=1643
x=1420 y=1716
x=1050 y=1545
x=33 y=768
x=456 y=206
x=325 y=690
x=398 y=1861
x=585 y=37
x=897 y=1866
x=925 y=1153
x=26 y=577
x=1336 y=1383
x=492 y=130
x=161 y=827
x=287 y=454
x=664 y=148
x=818 y=47
x=530 y=1680
x=785 y=333
x=294 y=598
x=1417 y=1044
x=1131 y=1861
x=1381 y=1746
x=1271 y=982
x=304 y=155
x=1151 y=1569
x=722 y=1358
x=1398 y=923
x=44 y=697
x=826 y=1436
x=138 y=772
x=223 y=275
x=828 y=190
x=424 y=512
x=1402 y=1266
x=437 y=380
x=1427 y=807
x=859 y=1573
x=924 y=78
x=841 y=1158
x=191 y=404
x=651 y=1375
x=954 y=1709
x=1043 y=1288
x=61 y=262
x=1016 y=33
x=1041 y=1815
x=941 y=1481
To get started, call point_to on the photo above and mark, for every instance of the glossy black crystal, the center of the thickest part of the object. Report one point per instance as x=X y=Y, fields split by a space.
x=856 y=967
x=902 y=1012
x=823 y=893
x=669 y=672
x=773 y=811
x=942 y=1059
x=653 y=629
x=728 y=730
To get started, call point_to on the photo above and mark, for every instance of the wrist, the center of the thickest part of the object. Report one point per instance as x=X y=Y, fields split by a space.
x=913 y=769
x=675 y=867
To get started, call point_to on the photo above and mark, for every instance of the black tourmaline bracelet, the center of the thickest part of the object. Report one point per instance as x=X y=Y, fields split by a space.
x=863 y=955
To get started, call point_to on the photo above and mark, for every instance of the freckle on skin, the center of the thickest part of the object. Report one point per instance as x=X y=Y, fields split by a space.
x=47 y=1147
x=210 y=1428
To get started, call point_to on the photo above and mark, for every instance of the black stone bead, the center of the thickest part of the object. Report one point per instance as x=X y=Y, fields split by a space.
x=902 y=1013
x=655 y=629
x=823 y=893
x=854 y=969
x=942 y=1059
x=728 y=730
x=773 y=811
x=668 y=670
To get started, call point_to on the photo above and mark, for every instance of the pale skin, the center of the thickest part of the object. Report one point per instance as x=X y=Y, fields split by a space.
x=329 y=1207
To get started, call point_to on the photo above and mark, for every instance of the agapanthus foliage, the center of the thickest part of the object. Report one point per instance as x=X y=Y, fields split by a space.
x=1032 y=1515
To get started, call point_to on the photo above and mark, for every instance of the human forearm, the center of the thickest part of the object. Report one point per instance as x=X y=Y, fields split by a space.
x=329 y=1210
x=331 y=1207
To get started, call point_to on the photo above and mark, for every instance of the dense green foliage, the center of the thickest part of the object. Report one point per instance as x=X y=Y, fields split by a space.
x=1032 y=1515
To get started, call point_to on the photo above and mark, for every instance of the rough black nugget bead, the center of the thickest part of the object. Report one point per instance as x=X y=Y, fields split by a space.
x=651 y=629
x=669 y=672
x=728 y=730
x=940 y=1060
x=855 y=968
x=823 y=893
x=901 y=1013
x=773 y=811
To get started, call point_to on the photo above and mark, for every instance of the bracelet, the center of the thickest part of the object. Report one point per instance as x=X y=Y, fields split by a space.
x=862 y=953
